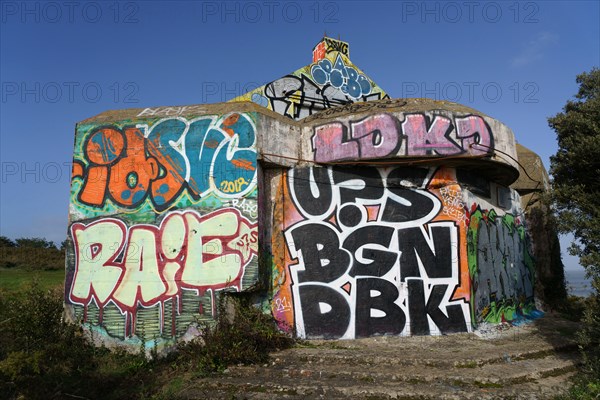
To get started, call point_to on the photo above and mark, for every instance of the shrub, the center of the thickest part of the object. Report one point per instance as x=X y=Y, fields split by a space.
x=242 y=334
x=41 y=356
x=32 y=258
x=589 y=336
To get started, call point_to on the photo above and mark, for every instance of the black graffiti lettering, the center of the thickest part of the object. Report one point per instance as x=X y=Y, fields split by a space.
x=419 y=310
x=454 y=322
x=297 y=97
x=416 y=307
x=381 y=261
x=368 y=325
x=336 y=45
x=326 y=313
x=412 y=175
x=413 y=244
x=312 y=189
x=374 y=228
x=411 y=206
x=284 y=92
x=353 y=107
x=364 y=183
x=324 y=260
x=350 y=215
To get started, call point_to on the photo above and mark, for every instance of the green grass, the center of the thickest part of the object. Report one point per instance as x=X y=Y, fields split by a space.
x=15 y=279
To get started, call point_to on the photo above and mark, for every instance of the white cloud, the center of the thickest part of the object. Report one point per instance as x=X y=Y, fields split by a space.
x=534 y=49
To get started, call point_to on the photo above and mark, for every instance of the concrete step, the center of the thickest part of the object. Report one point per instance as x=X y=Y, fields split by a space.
x=533 y=361
x=426 y=356
x=541 y=378
x=292 y=388
x=507 y=373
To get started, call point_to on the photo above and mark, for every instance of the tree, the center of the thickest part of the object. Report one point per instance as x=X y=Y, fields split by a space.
x=576 y=193
x=576 y=169
x=35 y=242
x=6 y=242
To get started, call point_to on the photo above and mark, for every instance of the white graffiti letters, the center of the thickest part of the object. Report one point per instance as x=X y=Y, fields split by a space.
x=152 y=264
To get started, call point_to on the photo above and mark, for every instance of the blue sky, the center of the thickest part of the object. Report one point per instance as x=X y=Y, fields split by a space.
x=64 y=61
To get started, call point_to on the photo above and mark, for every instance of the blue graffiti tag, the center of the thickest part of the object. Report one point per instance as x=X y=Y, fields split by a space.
x=347 y=79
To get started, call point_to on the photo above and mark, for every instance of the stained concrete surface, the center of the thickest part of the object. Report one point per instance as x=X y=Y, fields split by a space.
x=532 y=361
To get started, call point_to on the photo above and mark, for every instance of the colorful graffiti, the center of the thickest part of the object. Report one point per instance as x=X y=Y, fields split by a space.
x=372 y=251
x=164 y=215
x=383 y=135
x=298 y=96
x=501 y=266
x=174 y=155
x=331 y=81
x=147 y=265
x=163 y=219
x=329 y=45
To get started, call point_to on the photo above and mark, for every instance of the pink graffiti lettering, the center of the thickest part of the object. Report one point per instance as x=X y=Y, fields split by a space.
x=423 y=141
x=474 y=132
x=329 y=143
x=381 y=135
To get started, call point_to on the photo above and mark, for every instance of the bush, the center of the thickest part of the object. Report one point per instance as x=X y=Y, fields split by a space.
x=6 y=242
x=589 y=336
x=587 y=382
x=32 y=258
x=585 y=388
x=41 y=357
x=242 y=334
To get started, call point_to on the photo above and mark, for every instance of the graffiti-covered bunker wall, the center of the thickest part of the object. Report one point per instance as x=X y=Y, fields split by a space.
x=163 y=217
x=349 y=218
x=398 y=220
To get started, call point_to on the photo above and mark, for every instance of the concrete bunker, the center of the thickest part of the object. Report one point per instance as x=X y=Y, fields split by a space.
x=348 y=214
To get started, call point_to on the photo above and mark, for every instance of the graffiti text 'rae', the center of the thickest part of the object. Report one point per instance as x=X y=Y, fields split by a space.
x=145 y=264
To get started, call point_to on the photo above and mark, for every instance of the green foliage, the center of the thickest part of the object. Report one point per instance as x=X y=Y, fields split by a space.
x=585 y=388
x=589 y=337
x=15 y=280
x=6 y=242
x=576 y=195
x=573 y=308
x=41 y=357
x=32 y=258
x=576 y=168
x=241 y=335
x=31 y=254
x=35 y=243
